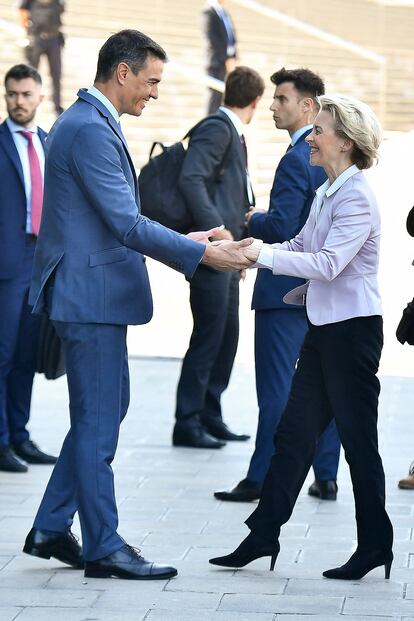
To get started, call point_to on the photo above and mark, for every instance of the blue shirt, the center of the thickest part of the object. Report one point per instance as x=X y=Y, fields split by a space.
x=298 y=133
x=105 y=101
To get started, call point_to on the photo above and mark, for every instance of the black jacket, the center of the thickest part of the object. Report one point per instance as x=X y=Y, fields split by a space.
x=213 y=177
x=216 y=42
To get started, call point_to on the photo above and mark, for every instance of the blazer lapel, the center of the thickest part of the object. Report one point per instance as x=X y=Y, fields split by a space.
x=9 y=147
x=116 y=128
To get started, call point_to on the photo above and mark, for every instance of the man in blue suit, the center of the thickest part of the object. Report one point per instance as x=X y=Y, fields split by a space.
x=90 y=276
x=281 y=328
x=21 y=169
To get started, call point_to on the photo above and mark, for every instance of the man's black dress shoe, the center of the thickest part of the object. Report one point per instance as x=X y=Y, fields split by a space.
x=128 y=564
x=194 y=436
x=219 y=430
x=249 y=550
x=245 y=491
x=32 y=454
x=63 y=546
x=360 y=563
x=9 y=462
x=325 y=490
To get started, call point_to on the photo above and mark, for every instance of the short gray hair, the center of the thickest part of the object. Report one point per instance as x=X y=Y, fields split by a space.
x=355 y=120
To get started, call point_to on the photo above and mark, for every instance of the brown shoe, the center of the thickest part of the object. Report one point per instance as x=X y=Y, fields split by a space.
x=408 y=482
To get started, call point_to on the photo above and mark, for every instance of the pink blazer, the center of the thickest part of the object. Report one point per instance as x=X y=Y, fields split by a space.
x=337 y=251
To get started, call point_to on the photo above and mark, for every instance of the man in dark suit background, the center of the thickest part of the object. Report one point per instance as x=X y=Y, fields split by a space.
x=216 y=186
x=42 y=20
x=89 y=275
x=220 y=41
x=280 y=328
x=21 y=190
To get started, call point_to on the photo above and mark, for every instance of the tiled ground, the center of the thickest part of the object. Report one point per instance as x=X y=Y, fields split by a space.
x=166 y=506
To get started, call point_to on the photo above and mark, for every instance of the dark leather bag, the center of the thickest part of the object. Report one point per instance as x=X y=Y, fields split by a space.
x=410 y=222
x=49 y=359
x=405 y=330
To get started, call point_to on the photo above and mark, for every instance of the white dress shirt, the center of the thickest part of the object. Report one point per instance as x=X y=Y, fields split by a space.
x=239 y=129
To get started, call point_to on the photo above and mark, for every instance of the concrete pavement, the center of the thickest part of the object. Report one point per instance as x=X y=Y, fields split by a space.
x=166 y=507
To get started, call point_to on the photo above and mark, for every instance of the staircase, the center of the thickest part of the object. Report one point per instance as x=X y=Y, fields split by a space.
x=264 y=44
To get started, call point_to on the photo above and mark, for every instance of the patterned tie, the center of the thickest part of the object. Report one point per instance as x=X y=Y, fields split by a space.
x=36 y=196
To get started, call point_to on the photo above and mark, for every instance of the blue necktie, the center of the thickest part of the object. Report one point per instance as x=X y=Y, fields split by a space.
x=227 y=24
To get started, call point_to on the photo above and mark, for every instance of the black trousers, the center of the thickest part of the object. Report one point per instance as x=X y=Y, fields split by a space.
x=215 y=98
x=207 y=365
x=52 y=47
x=335 y=377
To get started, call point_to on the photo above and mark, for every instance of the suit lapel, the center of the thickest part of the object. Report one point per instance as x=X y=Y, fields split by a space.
x=83 y=94
x=7 y=142
x=238 y=148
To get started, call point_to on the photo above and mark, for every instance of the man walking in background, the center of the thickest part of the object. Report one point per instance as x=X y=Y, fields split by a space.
x=215 y=184
x=220 y=42
x=42 y=20
x=280 y=328
x=21 y=169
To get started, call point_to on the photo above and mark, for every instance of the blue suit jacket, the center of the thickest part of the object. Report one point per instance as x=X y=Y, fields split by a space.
x=291 y=197
x=12 y=205
x=92 y=235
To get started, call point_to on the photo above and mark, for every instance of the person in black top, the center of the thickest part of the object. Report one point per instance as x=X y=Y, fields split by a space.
x=42 y=20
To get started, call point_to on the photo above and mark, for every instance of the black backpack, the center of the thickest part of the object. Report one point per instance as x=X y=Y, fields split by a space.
x=161 y=199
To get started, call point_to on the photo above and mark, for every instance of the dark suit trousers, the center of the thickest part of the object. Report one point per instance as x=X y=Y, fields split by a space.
x=336 y=377
x=279 y=335
x=215 y=98
x=82 y=479
x=52 y=48
x=19 y=332
x=207 y=365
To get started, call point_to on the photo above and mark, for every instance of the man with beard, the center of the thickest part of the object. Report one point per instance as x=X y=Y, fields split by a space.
x=21 y=195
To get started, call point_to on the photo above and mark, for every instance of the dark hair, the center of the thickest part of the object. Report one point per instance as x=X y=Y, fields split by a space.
x=127 y=46
x=305 y=81
x=21 y=72
x=243 y=85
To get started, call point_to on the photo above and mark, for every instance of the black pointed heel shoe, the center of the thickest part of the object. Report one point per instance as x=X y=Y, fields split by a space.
x=249 y=550
x=360 y=563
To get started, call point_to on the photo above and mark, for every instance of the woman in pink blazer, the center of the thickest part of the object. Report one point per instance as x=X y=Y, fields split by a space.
x=337 y=251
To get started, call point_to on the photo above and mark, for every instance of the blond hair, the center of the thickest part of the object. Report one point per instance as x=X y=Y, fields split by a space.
x=355 y=120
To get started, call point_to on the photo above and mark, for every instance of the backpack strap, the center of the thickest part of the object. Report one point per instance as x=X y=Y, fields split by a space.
x=222 y=120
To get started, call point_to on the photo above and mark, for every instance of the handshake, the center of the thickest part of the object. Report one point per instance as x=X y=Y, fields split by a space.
x=225 y=255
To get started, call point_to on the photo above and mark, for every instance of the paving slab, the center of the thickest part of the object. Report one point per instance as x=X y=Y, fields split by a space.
x=167 y=508
x=298 y=604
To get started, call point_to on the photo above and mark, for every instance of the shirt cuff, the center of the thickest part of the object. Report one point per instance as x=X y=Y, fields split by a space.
x=265 y=258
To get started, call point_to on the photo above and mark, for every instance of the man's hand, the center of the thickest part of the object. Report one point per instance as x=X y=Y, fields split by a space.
x=251 y=211
x=230 y=64
x=24 y=18
x=228 y=256
x=203 y=236
x=223 y=234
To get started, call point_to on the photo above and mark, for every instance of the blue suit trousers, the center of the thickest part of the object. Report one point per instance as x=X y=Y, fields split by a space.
x=82 y=479
x=279 y=334
x=19 y=333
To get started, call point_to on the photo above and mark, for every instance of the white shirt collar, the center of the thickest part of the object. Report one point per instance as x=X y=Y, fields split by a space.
x=234 y=119
x=328 y=189
x=105 y=101
x=298 y=133
x=14 y=127
x=216 y=6
x=339 y=181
